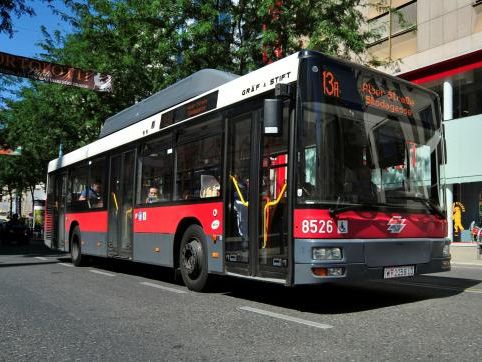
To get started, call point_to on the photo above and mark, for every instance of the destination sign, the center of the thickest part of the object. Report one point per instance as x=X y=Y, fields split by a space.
x=360 y=89
x=191 y=109
x=386 y=99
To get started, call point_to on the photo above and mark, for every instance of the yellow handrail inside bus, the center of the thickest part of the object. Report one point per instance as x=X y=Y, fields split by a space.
x=266 y=214
x=241 y=198
x=126 y=223
x=115 y=202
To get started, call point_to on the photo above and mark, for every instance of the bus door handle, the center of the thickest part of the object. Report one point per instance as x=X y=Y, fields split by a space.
x=266 y=214
x=241 y=197
x=114 y=197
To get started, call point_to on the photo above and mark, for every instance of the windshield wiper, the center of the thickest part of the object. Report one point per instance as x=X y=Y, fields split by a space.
x=335 y=210
x=429 y=204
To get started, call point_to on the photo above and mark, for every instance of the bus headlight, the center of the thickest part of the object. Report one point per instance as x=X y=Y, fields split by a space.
x=446 y=251
x=321 y=253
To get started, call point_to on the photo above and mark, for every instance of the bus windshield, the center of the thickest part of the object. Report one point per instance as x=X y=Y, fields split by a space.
x=368 y=147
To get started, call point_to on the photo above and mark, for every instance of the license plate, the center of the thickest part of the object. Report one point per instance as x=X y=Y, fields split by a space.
x=399 y=271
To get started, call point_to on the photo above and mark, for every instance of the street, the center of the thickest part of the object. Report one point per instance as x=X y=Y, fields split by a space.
x=113 y=310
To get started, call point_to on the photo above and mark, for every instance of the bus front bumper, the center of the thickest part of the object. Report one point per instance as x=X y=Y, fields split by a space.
x=369 y=259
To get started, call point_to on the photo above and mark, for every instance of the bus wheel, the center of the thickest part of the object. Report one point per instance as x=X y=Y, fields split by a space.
x=193 y=258
x=75 y=247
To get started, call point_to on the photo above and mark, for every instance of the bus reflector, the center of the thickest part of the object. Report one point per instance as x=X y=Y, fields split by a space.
x=215 y=254
x=319 y=272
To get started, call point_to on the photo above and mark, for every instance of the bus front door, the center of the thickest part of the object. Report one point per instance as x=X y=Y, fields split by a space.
x=238 y=248
x=121 y=203
x=256 y=238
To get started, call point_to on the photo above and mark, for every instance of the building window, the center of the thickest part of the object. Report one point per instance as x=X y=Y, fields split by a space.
x=390 y=24
x=467 y=92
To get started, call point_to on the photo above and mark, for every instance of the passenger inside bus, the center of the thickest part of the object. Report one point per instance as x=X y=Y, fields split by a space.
x=92 y=195
x=152 y=195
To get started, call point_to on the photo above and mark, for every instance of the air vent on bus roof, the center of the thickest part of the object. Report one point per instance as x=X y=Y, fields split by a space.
x=192 y=86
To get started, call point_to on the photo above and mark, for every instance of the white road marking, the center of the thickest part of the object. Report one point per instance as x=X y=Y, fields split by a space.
x=163 y=287
x=40 y=258
x=66 y=264
x=287 y=318
x=101 y=273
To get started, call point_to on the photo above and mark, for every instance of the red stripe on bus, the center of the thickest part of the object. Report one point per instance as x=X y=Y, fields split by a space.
x=165 y=219
x=313 y=223
x=95 y=221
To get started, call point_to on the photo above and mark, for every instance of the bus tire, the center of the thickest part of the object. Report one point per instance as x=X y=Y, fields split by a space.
x=193 y=258
x=75 y=247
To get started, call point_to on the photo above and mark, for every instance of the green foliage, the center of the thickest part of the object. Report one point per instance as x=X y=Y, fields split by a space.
x=148 y=45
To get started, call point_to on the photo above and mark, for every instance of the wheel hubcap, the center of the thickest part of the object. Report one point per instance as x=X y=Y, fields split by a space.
x=191 y=257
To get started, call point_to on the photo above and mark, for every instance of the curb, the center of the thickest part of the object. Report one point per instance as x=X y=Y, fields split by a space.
x=467 y=264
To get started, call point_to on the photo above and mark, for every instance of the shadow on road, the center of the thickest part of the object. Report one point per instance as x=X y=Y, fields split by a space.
x=321 y=299
x=350 y=297
x=33 y=248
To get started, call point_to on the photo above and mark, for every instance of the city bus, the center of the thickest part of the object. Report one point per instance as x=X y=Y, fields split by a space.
x=309 y=170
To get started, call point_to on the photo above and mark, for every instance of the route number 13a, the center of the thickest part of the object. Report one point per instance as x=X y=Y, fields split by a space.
x=317 y=226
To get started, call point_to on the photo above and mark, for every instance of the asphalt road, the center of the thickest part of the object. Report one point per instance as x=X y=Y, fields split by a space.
x=113 y=310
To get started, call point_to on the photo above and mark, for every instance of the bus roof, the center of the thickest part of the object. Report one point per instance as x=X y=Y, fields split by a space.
x=229 y=92
x=187 y=88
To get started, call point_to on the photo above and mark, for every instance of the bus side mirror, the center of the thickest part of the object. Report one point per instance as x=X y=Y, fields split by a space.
x=273 y=116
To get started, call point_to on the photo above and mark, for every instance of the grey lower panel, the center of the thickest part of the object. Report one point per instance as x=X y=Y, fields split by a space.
x=64 y=244
x=94 y=243
x=153 y=248
x=373 y=253
x=353 y=272
x=215 y=254
x=397 y=252
x=366 y=259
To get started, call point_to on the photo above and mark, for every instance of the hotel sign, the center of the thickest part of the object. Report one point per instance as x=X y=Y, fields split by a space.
x=54 y=73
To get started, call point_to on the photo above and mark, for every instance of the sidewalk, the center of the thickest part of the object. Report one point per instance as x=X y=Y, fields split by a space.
x=465 y=254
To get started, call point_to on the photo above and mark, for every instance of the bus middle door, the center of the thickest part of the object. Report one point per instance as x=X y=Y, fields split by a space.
x=121 y=203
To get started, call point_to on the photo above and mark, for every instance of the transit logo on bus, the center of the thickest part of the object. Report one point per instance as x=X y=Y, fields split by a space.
x=396 y=224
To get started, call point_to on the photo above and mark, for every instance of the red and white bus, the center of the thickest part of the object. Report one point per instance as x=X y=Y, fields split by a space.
x=308 y=170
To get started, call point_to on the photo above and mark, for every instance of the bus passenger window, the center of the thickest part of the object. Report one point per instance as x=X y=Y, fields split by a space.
x=79 y=179
x=199 y=168
x=155 y=167
x=94 y=194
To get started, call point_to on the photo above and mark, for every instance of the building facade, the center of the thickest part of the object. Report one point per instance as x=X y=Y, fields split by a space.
x=439 y=45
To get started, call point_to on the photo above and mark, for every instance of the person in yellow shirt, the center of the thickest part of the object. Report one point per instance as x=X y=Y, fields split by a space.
x=457 y=217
